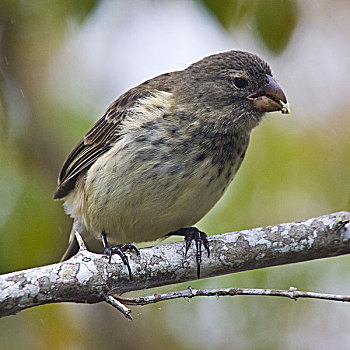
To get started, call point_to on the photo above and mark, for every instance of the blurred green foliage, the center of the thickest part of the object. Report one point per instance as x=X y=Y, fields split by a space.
x=290 y=172
x=274 y=20
x=230 y=13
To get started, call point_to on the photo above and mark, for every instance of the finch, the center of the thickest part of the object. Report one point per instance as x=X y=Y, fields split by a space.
x=164 y=152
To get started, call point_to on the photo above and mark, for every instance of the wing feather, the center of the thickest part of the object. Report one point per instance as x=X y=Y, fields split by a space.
x=96 y=142
x=103 y=135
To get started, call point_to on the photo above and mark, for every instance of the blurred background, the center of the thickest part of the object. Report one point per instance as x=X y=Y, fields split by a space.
x=62 y=62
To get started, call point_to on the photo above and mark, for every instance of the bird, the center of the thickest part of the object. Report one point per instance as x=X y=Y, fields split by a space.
x=164 y=152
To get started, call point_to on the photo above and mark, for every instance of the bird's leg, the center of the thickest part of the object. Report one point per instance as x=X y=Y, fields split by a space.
x=190 y=234
x=118 y=249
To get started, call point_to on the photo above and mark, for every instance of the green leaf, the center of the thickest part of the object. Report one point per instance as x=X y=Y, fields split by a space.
x=275 y=22
x=230 y=13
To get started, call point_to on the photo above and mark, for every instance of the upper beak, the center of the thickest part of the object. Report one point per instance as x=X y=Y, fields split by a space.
x=269 y=98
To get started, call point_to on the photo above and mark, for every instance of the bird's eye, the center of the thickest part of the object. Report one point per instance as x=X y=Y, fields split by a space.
x=240 y=82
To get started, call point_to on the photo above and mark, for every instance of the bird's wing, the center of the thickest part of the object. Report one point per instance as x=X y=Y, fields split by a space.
x=104 y=133
x=96 y=142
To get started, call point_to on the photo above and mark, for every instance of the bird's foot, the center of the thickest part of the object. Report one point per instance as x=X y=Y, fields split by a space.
x=193 y=234
x=118 y=249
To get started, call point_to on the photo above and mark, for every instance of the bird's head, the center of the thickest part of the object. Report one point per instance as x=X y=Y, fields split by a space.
x=238 y=84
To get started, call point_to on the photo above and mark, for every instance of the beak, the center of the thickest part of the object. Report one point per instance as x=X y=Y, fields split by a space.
x=270 y=98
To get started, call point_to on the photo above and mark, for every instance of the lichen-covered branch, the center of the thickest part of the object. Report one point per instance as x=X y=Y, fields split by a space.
x=89 y=278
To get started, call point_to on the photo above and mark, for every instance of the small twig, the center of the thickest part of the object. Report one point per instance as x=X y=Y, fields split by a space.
x=292 y=293
x=80 y=241
x=119 y=306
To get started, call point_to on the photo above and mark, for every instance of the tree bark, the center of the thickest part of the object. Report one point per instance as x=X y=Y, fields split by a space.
x=89 y=278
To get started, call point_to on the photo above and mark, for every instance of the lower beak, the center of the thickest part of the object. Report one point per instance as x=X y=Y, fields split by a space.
x=270 y=98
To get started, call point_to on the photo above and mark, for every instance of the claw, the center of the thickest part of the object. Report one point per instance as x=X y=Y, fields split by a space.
x=130 y=247
x=190 y=234
x=118 y=249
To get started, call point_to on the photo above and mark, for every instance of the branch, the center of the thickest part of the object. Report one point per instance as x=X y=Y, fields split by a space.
x=89 y=278
x=292 y=293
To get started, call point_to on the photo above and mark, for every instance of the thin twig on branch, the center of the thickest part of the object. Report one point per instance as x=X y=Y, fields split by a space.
x=292 y=293
x=89 y=278
x=189 y=293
